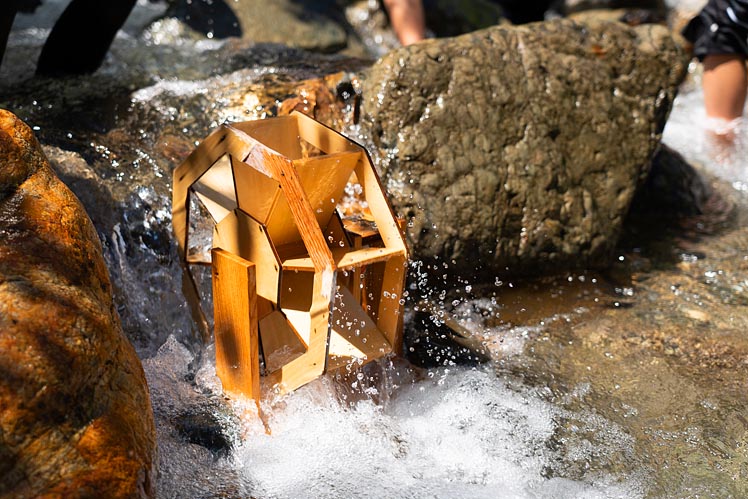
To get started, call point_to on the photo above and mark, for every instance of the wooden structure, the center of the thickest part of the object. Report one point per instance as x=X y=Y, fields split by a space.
x=300 y=287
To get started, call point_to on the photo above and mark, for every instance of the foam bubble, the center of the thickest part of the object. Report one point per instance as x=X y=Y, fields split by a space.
x=460 y=434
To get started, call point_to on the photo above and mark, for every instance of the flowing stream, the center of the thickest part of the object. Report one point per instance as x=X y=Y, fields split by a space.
x=628 y=383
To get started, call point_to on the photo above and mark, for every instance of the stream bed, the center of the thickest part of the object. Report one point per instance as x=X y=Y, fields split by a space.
x=625 y=384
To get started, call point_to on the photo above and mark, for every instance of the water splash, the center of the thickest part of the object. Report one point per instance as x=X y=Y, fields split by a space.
x=722 y=148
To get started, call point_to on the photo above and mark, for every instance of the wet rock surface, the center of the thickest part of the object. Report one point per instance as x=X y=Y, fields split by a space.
x=75 y=416
x=527 y=161
x=668 y=358
x=311 y=25
x=656 y=344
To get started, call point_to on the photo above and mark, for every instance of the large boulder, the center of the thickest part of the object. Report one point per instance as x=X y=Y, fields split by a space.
x=521 y=147
x=75 y=415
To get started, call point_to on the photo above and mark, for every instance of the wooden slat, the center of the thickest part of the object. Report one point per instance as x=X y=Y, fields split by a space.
x=389 y=313
x=354 y=334
x=241 y=235
x=322 y=137
x=323 y=181
x=191 y=294
x=343 y=258
x=235 y=316
x=301 y=211
x=280 y=342
x=280 y=134
x=381 y=211
x=218 y=143
x=215 y=189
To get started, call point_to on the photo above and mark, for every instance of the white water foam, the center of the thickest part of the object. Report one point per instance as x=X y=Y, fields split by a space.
x=692 y=134
x=460 y=433
x=445 y=433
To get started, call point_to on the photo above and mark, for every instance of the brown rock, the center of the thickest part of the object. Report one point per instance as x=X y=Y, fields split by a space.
x=520 y=148
x=75 y=416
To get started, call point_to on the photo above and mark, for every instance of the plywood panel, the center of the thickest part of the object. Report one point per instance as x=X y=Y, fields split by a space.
x=323 y=181
x=302 y=214
x=235 y=315
x=280 y=342
x=335 y=233
x=296 y=298
x=221 y=141
x=240 y=234
x=256 y=192
x=280 y=134
x=322 y=137
x=354 y=334
x=215 y=189
x=312 y=364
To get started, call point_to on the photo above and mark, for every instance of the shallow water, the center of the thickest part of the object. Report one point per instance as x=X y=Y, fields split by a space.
x=625 y=384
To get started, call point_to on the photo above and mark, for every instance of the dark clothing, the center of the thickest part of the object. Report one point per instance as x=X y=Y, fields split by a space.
x=720 y=28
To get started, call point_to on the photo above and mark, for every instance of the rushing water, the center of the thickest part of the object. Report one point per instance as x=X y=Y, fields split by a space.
x=625 y=384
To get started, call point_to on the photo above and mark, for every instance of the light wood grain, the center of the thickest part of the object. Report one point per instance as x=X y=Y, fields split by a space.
x=355 y=336
x=281 y=134
x=280 y=342
x=344 y=258
x=235 y=330
x=283 y=257
x=215 y=189
x=241 y=235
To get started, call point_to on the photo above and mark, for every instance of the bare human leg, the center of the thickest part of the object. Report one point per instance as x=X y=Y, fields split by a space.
x=725 y=84
x=407 y=19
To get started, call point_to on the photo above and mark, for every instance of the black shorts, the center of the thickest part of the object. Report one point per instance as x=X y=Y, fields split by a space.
x=720 y=28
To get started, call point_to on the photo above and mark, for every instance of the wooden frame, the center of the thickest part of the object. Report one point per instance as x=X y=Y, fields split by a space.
x=328 y=292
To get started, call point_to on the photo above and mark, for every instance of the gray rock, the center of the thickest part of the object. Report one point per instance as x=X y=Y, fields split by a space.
x=520 y=148
x=302 y=24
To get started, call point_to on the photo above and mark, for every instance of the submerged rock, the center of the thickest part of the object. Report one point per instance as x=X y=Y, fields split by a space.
x=75 y=416
x=521 y=148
